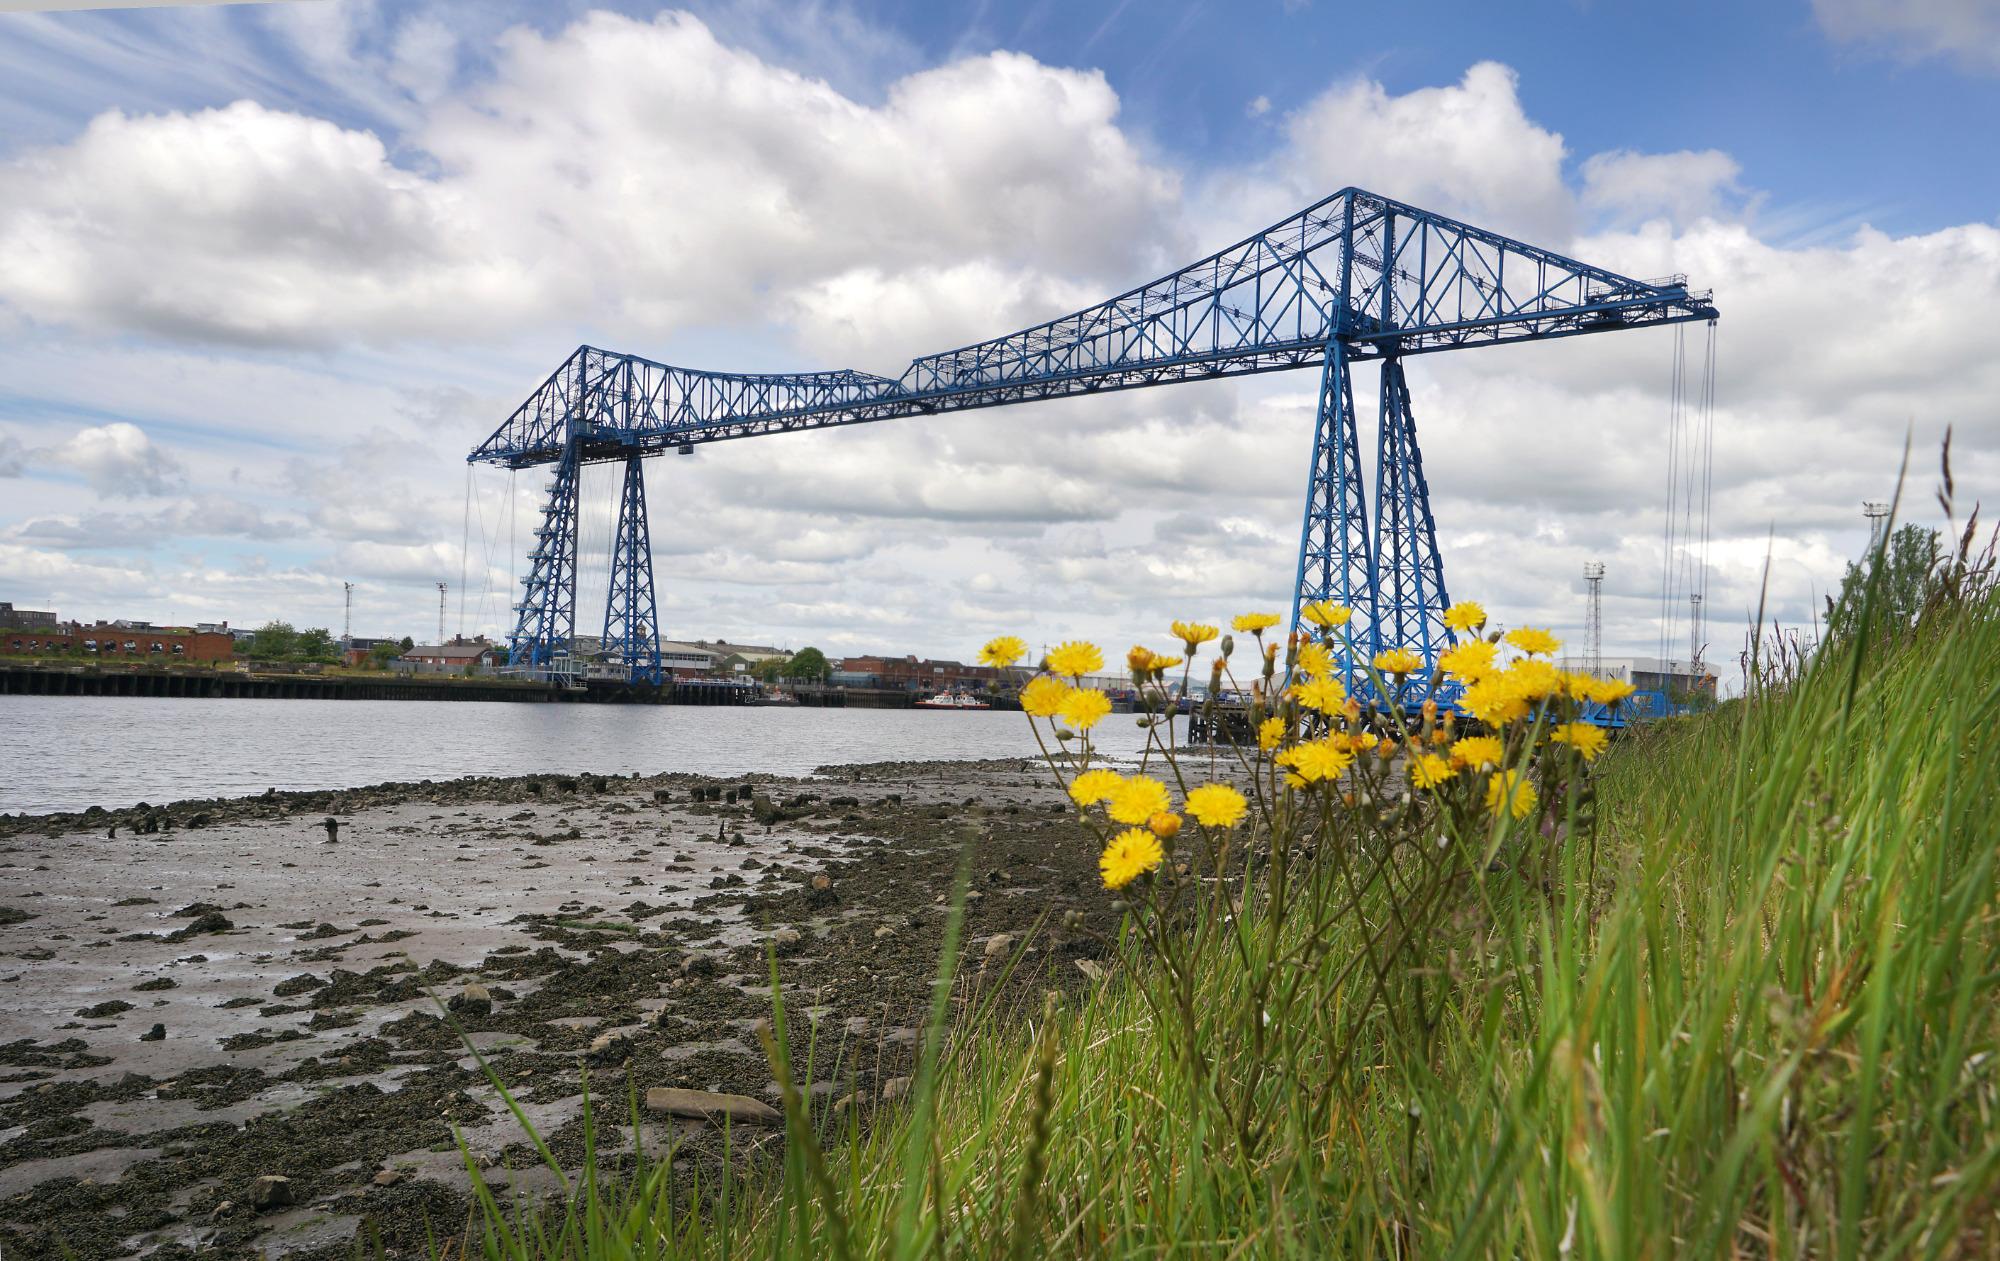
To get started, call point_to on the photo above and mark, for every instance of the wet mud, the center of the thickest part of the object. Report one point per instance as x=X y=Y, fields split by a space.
x=264 y=1026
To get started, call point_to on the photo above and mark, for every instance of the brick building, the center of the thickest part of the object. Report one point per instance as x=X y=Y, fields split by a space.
x=915 y=674
x=25 y=619
x=111 y=641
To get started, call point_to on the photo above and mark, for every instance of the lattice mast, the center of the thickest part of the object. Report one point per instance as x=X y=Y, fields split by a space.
x=1593 y=635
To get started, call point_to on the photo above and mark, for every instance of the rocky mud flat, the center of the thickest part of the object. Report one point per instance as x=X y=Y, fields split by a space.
x=244 y=1027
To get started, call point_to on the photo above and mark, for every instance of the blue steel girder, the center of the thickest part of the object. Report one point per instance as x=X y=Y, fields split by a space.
x=631 y=614
x=1335 y=563
x=1409 y=594
x=546 y=615
x=1379 y=277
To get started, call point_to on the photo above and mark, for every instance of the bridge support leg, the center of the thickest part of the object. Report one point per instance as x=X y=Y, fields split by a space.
x=631 y=616
x=547 y=612
x=1410 y=596
x=1334 y=559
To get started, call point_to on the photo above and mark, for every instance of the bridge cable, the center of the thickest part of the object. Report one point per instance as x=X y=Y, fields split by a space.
x=464 y=540
x=1669 y=535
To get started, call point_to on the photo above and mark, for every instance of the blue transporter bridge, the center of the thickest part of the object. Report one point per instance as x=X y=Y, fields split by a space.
x=1354 y=277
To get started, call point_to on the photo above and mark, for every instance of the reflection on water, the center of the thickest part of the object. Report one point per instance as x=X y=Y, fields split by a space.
x=65 y=753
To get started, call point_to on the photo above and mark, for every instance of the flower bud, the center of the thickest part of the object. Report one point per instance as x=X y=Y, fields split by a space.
x=1227 y=646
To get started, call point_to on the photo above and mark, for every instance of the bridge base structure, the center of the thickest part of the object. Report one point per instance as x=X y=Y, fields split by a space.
x=1392 y=580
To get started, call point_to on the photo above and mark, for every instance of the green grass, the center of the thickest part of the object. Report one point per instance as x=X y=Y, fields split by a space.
x=1756 y=1018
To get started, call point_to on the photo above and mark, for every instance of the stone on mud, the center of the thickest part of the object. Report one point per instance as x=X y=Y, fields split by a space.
x=706 y=1105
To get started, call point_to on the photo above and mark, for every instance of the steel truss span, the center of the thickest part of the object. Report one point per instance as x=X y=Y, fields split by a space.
x=1356 y=276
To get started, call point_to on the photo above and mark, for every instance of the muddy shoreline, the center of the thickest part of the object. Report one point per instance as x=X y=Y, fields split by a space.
x=204 y=996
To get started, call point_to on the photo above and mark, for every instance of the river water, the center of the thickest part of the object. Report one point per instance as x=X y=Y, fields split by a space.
x=66 y=753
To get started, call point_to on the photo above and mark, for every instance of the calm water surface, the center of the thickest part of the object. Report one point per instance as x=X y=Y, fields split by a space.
x=66 y=753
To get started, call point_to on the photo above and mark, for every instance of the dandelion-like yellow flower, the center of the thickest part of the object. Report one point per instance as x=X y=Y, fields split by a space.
x=1478 y=753
x=1131 y=854
x=1473 y=659
x=1217 y=806
x=1399 y=661
x=1140 y=661
x=1611 y=691
x=1165 y=825
x=1315 y=660
x=1428 y=770
x=1493 y=702
x=1253 y=623
x=1586 y=738
x=1465 y=616
x=1138 y=799
x=1043 y=695
x=1317 y=761
x=1083 y=707
x=1193 y=634
x=1510 y=791
x=1270 y=733
x=1163 y=664
x=1003 y=651
x=1534 y=642
x=1325 y=695
x=1326 y=615
x=1577 y=685
x=1094 y=786
x=1075 y=659
x=1532 y=679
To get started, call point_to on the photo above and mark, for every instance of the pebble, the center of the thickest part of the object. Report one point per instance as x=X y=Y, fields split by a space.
x=474 y=1000
x=998 y=945
x=389 y=1177
x=895 y=1088
x=271 y=1191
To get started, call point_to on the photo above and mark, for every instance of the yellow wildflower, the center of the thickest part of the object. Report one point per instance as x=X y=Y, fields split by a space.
x=1319 y=760
x=1326 y=615
x=1253 y=623
x=1075 y=659
x=1193 y=634
x=1493 y=702
x=1003 y=651
x=1138 y=799
x=1611 y=691
x=1399 y=661
x=1470 y=660
x=1577 y=685
x=1428 y=770
x=1094 y=786
x=1270 y=733
x=1217 y=806
x=1534 y=642
x=1478 y=753
x=1359 y=741
x=1083 y=707
x=1043 y=695
x=1140 y=661
x=1586 y=738
x=1164 y=664
x=1131 y=854
x=1325 y=695
x=1465 y=617
x=1165 y=825
x=1510 y=791
x=1315 y=660
x=1532 y=680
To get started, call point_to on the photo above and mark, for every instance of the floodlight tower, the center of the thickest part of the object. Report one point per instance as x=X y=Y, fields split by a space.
x=441 y=589
x=1877 y=513
x=1593 y=578
x=347 y=616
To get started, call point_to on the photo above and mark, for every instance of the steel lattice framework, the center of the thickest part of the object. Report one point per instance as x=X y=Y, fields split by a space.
x=1356 y=276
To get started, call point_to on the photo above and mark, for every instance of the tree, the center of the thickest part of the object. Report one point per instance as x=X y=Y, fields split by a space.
x=809 y=663
x=408 y=643
x=1901 y=588
x=383 y=653
x=316 y=644
x=274 y=641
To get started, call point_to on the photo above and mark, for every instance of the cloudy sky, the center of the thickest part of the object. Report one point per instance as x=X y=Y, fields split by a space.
x=268 y=272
